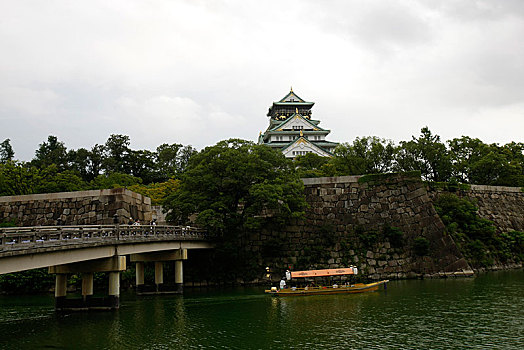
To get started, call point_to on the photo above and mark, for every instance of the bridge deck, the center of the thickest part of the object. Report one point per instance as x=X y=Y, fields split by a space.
x=24 y=248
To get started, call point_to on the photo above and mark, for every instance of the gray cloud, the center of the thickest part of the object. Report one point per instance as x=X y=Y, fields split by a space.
x=197 y=72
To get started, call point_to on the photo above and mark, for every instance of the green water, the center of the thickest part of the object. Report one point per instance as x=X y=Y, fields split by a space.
x=486 y=312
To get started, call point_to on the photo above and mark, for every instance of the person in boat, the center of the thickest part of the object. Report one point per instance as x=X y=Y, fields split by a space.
x=282 y=284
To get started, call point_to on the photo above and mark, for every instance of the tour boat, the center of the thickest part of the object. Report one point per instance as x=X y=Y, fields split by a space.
x=320 y=290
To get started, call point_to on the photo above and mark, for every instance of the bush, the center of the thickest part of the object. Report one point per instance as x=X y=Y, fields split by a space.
x=8 y=223
x=394 y=235
x=421 y=246
x=460 y=215
x=475 y=236
x=31 y=281
x=513 y=244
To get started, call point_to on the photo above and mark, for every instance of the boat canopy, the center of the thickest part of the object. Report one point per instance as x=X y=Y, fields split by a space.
x=325 y=272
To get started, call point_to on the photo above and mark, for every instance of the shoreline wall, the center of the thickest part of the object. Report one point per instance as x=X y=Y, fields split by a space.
x=349 y=222
x=500 y=204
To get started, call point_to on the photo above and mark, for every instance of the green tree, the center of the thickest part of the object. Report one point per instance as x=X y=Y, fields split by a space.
x=235 y=187
x=515 y=176
x=427 y=154
x=6 y=151
x=79 y=161
x=464 y=152
x=142 y=164
x=367 y=155
x=51 y=180
x=167 y=160
x=87 y=163
x=51 y=152
x=96 y=161
x=114 y=180
x=17 y=178
x=116 y=154
x=157 y=191
x=311 y=165
x=184 y=156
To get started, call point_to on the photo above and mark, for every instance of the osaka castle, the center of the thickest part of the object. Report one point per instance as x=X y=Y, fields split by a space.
x=292 y=131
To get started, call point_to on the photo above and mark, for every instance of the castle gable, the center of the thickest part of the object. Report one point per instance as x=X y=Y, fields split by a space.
x=301 y=147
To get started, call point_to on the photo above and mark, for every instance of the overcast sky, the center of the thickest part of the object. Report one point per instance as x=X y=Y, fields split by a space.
x=196 y=72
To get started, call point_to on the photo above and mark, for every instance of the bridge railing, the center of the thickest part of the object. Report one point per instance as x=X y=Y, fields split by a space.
x=13 y=238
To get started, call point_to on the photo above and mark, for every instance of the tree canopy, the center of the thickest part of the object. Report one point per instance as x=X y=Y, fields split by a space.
x=54 y=168
x=237 y=185
x=6 y=151
x=234 y=187
x=464 y=159
x=115 y=164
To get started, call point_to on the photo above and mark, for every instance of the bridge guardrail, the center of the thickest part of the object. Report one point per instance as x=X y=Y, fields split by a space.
x=14 y=238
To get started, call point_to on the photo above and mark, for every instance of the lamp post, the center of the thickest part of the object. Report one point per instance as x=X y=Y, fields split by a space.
x=117 y=225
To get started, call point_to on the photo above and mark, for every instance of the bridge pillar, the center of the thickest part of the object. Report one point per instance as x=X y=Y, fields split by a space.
x=179 y=276
x=159 y=258
x=159 y=275
x=60 y=290
x=114 y=289
x=111 y=265
x=139 y=276
x=87 y=286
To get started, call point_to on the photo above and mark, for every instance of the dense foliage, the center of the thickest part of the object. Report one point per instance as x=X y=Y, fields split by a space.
x=464 y=160
x=114 y=164
x=235 y=187
x=54 y=168
x=477 y=237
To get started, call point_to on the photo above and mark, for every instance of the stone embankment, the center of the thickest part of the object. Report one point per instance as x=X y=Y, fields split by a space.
x=75 y=208
x=372 y=222
x=502 y=205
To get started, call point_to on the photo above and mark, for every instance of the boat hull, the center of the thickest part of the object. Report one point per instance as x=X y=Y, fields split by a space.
x=357 y=288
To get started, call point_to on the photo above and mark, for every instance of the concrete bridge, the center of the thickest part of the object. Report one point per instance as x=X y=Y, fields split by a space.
x=98 y=248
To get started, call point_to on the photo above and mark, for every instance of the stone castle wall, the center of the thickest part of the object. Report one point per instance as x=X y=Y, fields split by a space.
x=502 y=205
x=348 y=221
x=75 y=208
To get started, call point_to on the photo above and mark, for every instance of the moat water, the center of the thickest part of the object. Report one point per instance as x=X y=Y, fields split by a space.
x=486 y=312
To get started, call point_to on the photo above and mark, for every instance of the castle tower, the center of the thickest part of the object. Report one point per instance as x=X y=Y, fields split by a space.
x=292 y=131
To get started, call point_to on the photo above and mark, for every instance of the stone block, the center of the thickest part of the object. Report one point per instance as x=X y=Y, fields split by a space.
x=392 y=263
